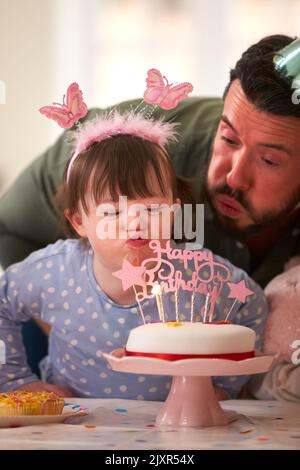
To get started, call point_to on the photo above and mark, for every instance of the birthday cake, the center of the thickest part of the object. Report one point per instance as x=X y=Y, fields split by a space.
x=17 y=403
x=186 y=340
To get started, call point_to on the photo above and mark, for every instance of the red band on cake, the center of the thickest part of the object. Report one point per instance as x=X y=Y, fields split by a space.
x=177 y=357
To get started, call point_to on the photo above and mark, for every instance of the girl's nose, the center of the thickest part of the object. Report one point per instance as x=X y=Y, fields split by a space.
x=134 y=227
x=138 y=226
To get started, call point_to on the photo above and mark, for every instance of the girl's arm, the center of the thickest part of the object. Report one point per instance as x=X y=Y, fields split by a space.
x=17 y=301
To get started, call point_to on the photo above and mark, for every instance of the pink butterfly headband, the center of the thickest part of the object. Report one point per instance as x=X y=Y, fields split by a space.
x=107 y=125
x=158 y=93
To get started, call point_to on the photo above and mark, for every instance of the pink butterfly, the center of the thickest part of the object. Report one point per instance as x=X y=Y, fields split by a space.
x=160 y=92
x=68 y=113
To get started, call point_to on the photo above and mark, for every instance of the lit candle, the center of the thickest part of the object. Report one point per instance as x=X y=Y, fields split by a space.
x=206 y=307
x=156 y=290
x=192 y=306
x=139 y=304
x=177 y=305
x=162 y=305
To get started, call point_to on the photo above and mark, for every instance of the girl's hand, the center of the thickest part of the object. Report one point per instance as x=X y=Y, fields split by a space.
x=39 y=386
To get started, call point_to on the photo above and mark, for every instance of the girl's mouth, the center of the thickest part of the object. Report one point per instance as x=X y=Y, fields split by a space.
x=137 y=243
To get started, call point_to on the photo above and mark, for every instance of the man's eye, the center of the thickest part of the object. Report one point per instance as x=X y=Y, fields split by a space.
x=228 y=141
x=269 y=162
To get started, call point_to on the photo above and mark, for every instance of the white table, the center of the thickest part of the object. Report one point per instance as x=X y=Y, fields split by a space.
x=129 y=424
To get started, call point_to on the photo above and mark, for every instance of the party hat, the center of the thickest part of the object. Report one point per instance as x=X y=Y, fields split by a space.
x=287 y=62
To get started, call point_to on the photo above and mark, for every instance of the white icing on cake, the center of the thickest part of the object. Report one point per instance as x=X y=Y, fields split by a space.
x=191 y=338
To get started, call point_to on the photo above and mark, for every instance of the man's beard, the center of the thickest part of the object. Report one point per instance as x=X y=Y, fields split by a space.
x=260 y=221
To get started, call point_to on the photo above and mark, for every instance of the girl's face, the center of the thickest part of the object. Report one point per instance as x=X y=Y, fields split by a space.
x=122 y=230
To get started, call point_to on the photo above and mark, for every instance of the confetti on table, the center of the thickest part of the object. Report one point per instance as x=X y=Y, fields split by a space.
x=121 y=410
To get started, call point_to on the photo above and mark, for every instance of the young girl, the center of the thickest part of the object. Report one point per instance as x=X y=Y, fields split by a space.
x=70 y=285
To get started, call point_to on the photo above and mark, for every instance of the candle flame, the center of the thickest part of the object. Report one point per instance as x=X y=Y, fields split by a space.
x=156 y=289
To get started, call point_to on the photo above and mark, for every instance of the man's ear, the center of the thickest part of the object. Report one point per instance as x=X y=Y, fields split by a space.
x=75 y=220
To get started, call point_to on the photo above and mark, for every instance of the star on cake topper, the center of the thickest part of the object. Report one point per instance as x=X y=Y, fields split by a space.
x=239 y=291
x=130 y=275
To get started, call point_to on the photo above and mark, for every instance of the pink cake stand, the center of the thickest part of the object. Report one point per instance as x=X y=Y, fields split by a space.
x=191 y=400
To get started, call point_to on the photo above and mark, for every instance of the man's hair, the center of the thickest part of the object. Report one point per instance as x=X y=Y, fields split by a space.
x=261 y=84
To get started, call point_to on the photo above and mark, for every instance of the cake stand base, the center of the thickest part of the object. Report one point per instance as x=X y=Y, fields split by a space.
x=191 y=402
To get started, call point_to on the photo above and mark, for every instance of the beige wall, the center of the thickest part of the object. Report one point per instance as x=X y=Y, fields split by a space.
x=107 y=46
x=25 y=62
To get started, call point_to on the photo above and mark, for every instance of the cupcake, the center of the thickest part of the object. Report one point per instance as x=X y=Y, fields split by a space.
x=18 y=403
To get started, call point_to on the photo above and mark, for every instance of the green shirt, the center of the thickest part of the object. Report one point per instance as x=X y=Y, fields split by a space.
x=28 y=219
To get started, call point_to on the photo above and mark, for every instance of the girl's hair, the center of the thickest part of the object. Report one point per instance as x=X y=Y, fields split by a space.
x=121 y=165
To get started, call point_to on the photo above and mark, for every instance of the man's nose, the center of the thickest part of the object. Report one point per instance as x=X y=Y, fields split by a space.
x=239 y=176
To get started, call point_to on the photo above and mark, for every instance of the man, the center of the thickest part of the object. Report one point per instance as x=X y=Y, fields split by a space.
x=241 y=155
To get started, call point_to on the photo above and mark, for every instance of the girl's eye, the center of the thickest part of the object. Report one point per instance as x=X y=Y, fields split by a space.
x=228 y=141
x=111 y=214
x=153 y=210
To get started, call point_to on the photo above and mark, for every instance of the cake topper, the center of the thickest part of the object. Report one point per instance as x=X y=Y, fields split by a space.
x=238 y=292
x=205 y=276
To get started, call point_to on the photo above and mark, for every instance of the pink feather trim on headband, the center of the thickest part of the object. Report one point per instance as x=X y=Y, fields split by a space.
x=107 y=125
